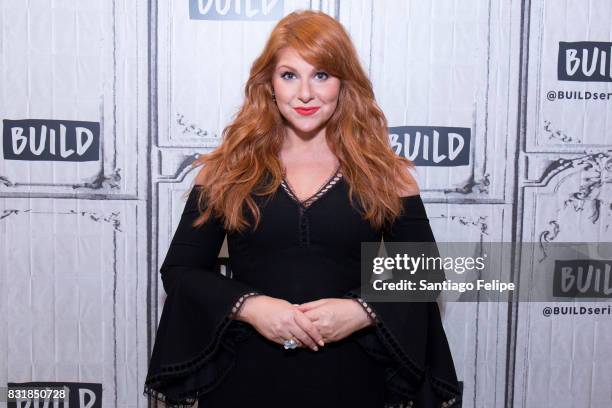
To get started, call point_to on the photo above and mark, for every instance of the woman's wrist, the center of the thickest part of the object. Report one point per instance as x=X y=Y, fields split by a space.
x=366 y=312
x=245 y=310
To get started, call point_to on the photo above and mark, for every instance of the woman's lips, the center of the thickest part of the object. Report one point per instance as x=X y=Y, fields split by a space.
x=306 y=111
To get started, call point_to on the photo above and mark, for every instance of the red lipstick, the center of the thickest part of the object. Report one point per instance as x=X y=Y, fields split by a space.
x=306 y=111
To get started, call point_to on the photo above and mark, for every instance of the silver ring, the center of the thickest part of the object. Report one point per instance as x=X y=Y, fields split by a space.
x=290 y=344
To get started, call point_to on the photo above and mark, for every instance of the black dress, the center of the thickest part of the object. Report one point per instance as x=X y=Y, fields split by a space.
x=301 y=251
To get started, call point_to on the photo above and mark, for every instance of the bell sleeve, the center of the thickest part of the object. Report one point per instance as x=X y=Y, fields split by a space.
x=408 y=336
x=194 y=344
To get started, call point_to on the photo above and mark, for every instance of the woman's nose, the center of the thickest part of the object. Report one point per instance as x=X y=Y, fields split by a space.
x=305 y=91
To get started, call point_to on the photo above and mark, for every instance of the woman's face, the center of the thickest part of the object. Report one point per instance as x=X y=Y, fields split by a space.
x=297 y=84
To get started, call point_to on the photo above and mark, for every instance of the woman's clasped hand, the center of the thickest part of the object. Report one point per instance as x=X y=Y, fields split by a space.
x=310 y=324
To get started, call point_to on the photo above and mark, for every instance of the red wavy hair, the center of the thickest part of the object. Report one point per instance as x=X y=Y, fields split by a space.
x=247 y=160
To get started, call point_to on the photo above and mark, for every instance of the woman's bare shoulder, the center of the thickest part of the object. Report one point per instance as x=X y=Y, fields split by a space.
x=411 y=189
x=200 y=178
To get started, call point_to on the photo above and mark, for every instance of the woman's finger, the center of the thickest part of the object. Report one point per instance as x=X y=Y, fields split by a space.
x=307 y=326
x=299 y=334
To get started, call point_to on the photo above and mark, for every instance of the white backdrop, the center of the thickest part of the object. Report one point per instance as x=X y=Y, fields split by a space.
x=135 y=89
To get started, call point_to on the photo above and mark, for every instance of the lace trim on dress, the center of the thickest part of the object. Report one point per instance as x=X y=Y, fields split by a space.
x=240 y=302
x=398 y=353
x=186 y=402
x=320 y=192
x=175 y=370
x=410 y=404
x=368 y=310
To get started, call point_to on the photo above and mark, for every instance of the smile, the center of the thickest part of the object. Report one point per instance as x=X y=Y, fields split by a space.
x=306 y=111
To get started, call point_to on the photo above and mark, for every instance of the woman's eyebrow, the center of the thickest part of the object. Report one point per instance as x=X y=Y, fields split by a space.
x=287 y=66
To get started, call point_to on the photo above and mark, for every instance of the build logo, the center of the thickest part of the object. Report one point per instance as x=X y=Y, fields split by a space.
x=585 y=61
x=236 y=9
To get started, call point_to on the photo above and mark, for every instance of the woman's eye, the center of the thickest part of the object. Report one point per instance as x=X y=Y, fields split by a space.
x=284 y=74
x=318 y=75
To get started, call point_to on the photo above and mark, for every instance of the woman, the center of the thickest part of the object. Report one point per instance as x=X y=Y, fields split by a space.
x=304 y=174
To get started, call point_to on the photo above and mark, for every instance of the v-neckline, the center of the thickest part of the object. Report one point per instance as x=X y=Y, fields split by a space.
x=306 y=203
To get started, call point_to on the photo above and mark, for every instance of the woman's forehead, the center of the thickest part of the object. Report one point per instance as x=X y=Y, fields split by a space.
x=288 y=53
x=291 y=58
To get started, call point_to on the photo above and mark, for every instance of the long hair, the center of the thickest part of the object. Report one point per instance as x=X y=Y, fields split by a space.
x=247 y=161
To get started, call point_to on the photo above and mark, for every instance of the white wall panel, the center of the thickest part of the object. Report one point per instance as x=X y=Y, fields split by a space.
x=74 y=294
x=564 y=196
x=567 y=125
x=476 y=331
x=77 y=61
x=447 y=63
